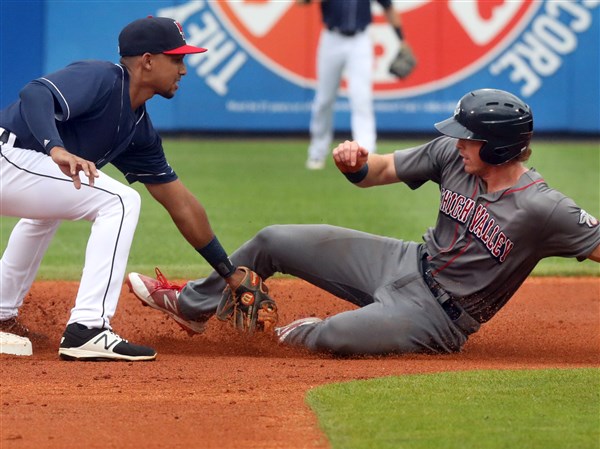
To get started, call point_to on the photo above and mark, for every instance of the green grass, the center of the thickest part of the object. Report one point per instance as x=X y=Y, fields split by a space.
x=550 y=409
x=248 y=184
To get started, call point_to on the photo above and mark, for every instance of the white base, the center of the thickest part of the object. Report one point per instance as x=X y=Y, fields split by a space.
x=14 y=344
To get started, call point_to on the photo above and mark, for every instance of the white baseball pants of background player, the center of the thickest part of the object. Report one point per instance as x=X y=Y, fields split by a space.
x=336 y=55
x=33 y=187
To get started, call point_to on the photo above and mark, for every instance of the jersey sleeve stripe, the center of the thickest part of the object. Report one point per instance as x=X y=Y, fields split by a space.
x=64 y=100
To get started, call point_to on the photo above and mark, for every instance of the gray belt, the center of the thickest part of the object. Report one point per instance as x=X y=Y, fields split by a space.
x=461 y=319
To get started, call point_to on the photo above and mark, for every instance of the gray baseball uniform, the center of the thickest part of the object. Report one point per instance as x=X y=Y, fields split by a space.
x=418 y=297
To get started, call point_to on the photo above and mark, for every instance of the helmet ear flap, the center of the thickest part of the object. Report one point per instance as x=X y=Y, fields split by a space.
x=486 y=152
x=497 y=153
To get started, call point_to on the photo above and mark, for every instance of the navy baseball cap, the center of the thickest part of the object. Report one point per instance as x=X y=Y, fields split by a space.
x=155 y=35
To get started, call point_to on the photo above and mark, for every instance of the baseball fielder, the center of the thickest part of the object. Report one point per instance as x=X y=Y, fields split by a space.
x=497 y=219
x=79 y=119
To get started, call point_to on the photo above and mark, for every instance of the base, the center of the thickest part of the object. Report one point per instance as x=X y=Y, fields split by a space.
x=14 y=344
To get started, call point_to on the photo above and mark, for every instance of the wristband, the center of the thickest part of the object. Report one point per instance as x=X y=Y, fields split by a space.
x=399 y=33
x=217 y=258
x=358 y=176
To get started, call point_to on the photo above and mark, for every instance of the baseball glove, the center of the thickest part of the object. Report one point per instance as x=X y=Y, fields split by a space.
x=404 y=62
x=248 y=307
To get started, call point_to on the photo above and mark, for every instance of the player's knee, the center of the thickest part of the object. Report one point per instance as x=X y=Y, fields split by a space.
x=131 y=198
x=126 y=202
x=132 y=202
x=269 y=235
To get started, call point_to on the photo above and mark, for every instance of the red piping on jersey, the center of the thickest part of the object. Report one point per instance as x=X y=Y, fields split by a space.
x=461 y=252
x=436 y=271
x=521 y=188
x=457 y=224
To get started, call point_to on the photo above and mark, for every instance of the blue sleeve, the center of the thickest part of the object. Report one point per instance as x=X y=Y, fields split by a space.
x=80 y=87
x=37 y=107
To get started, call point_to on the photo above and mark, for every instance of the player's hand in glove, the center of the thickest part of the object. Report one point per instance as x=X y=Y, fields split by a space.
x=404 y=62
x=248 y=307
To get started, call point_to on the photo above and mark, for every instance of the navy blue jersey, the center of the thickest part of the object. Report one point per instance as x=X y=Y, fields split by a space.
x=349 y=15
x=95 y=121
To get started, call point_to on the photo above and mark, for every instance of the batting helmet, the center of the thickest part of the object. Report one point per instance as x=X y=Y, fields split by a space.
x=496 y=117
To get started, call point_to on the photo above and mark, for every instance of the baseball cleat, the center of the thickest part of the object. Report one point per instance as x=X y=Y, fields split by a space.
x=284 y=331
x=160 y=294
x=315 y=164
x=84 y=344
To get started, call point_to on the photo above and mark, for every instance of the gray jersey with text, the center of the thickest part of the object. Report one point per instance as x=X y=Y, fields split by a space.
x=484 y=245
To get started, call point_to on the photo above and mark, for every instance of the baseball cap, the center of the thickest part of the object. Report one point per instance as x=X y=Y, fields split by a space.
x=155 y=35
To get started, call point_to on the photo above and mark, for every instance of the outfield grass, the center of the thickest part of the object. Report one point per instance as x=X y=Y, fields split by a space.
x=547 y=409
x=248 y=184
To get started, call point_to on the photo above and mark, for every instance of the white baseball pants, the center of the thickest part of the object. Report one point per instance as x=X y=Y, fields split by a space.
x=33 y=187
x=354 y=55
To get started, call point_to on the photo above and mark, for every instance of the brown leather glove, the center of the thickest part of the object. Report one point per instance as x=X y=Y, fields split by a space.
x=248 y=307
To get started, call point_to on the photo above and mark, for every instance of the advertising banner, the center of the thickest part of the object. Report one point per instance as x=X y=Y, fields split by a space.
x=259 y=73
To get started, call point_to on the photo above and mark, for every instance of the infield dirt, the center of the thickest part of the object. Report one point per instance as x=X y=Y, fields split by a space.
x=219 y=390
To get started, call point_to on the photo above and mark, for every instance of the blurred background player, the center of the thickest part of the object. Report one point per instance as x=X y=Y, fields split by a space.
x=345 y=47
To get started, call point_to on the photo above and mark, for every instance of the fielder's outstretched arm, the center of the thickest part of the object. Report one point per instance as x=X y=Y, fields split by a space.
x=185 y=210
x=192 y=221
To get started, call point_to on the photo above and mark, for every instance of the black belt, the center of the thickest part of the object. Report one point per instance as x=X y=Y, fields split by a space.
x=347 y=33
x=452 y=308
x=4 y=137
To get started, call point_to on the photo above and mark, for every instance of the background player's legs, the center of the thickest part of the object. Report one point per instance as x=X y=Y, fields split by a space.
x=32 y=186
x=359 y=71
x=330 y=65
x=347 y=263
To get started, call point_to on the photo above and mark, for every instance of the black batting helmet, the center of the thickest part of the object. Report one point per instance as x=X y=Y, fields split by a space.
x=496 y=117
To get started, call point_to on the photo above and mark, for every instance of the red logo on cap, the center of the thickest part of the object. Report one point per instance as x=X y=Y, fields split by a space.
x=451 y=39
x=178 y=25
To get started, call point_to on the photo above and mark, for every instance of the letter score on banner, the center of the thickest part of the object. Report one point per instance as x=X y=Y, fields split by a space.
x=538 y=53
